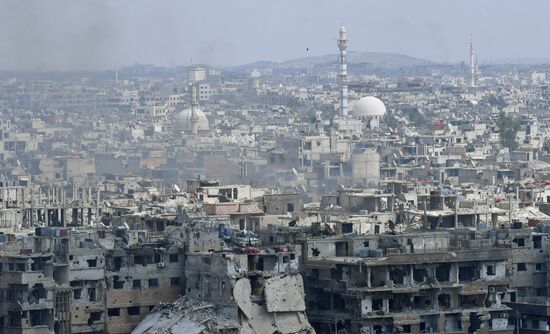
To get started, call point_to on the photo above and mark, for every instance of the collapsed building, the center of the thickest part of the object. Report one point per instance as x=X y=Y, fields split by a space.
x=259 y=289
x=107 y=280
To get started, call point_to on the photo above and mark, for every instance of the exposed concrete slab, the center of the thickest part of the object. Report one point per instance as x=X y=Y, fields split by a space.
x=241 y=293
x=285 y=294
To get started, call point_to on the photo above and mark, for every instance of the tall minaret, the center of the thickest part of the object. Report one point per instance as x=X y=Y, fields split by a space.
x=472 y=65
x=343 y=76
x=194 y=117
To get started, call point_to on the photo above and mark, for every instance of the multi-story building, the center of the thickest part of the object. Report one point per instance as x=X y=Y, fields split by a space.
x=433 y=282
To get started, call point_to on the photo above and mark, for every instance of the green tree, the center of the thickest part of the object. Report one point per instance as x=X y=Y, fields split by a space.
x=508 y=128
x=496 y=101
x=391 y=121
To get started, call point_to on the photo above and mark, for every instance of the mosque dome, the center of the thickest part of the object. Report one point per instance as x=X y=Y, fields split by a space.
x=369 y=106
x=183 y=121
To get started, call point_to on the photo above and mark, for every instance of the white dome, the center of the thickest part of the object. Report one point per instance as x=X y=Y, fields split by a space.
x=369 y=106
x=183 y=121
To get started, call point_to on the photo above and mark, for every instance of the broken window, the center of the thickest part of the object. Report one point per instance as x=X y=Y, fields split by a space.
x=117 y=262
x=521 y=267
x=136 y=284
x=38 y=292
x=422 y=302
x=315 y=252
x=140 y=259
x=397 y=275
x=520 y=242
x=336 y=273
x=341 y=248
x=134 y=310
x=92 y=294
x=475 y=323
x=444 y=301
x=37 y=318
x=173 y=258
x=467 y=273
x=471 y=301
x=420 y=275
x=540 y=267
x=537 y=242
x=347 y=228
x=113 y=312
x=158 y=258
x=77 y=293
x=315 y=273
x=94 y=316
x=442 y=272
x=174 y=281
x=290 y=207
x=153 y=282
x=491 y=270
x=92 y=263
x=117 y=284
x=377 y=304
x=378 y=276
x=260 y=264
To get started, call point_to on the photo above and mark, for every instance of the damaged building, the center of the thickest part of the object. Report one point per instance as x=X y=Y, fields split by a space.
x=435 y=282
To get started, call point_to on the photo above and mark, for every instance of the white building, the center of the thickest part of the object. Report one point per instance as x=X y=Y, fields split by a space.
x=196 y=74
x=206 y=91
x=370 y=110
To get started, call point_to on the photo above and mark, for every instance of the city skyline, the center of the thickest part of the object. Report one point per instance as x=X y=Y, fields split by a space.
x=101 y=35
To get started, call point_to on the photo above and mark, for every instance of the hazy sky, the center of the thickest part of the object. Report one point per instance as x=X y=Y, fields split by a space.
x=87 y=34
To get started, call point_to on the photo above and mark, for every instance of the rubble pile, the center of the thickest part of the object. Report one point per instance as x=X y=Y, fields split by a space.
x=185 y=315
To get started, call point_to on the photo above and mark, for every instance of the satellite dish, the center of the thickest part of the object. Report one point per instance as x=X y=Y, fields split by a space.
x=176 y=188
x=294 y=171
x=126 y=225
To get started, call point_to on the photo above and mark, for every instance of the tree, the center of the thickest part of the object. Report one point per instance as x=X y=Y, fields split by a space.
x=391 y=121
x=508 y=128
x=496 y=101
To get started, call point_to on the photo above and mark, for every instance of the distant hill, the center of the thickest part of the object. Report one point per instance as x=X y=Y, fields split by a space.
x=385 y=59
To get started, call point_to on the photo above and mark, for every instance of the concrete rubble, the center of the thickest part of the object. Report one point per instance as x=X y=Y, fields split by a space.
x=186 y=315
